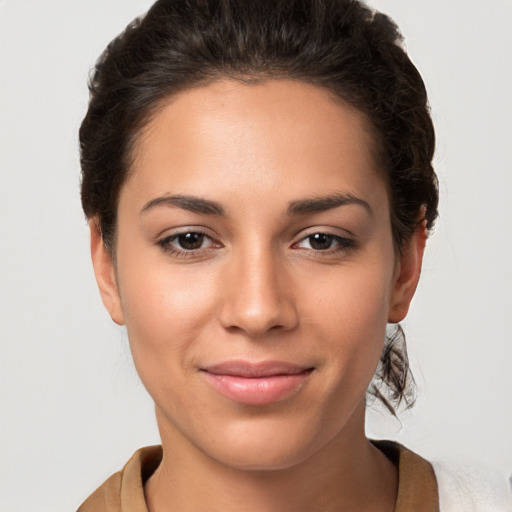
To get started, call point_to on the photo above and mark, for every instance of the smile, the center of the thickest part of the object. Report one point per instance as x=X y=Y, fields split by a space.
x=256 y=383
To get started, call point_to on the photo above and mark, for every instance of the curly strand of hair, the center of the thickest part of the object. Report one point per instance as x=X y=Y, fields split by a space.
x=393 y=383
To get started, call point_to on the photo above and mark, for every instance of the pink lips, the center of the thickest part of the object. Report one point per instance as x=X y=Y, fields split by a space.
x=256 y=383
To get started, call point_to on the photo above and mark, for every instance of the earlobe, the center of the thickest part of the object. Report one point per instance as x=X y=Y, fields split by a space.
x=407 y=275
x=104 y=271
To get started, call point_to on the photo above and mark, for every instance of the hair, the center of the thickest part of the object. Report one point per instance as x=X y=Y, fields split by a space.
x=340 y=45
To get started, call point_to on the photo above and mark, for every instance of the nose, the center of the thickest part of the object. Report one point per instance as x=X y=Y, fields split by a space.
x=257 y=297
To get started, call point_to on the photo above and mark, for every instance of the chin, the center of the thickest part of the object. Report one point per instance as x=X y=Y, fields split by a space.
x=262 y=458
x=268 y=445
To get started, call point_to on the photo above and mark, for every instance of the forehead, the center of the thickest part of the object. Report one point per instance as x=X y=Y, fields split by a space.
x=279 y=134
x=233 y=105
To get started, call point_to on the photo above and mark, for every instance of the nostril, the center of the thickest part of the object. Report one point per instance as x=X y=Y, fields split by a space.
x=255 y=326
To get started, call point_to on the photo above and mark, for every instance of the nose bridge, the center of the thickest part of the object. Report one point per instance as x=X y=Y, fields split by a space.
x=256 y=299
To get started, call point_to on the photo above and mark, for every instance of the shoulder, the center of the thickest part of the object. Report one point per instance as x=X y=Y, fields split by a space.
x=125 y=486
x=445 y=486
x=106 y=497
x=471 y=489
x=417 y=486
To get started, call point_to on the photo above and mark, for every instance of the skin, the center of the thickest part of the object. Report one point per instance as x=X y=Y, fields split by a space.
x=257 y=288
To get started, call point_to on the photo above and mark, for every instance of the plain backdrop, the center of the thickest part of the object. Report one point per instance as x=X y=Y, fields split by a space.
x=72 y=407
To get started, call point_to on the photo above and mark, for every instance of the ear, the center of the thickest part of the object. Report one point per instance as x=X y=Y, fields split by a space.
x=407 y=275
x=104 y=271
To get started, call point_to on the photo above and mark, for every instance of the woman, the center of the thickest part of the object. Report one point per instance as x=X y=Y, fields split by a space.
x=259 y=189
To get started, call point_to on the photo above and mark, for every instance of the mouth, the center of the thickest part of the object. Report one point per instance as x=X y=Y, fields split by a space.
x=260 y=383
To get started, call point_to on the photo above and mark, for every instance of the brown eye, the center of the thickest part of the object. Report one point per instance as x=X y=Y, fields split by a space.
x=187 y=243
x=325 y=242
x=320 y=241
x=190 y=241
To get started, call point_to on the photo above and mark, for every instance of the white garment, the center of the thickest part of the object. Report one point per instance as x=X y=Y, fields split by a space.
x=466 y=489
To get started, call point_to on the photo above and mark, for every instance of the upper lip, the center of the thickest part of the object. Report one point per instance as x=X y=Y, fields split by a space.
x=249 y=369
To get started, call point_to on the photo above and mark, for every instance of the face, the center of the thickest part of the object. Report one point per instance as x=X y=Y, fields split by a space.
x=255 y=270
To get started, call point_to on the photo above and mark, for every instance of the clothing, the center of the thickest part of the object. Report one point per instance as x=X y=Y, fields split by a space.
x=466 y=488
x=124 y=491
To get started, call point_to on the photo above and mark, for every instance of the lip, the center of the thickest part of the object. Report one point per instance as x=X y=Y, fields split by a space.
x=261 y=383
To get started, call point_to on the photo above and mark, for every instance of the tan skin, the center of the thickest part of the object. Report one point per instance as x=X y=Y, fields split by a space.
x=268 y=278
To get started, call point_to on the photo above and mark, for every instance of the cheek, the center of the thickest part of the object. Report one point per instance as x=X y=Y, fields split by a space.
x=166 y=307
x=351 y=300
x=349 y=311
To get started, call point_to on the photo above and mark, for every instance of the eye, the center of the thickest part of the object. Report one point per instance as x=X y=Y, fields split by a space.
x=189 y=241
x=324 y=242
x=186 y=243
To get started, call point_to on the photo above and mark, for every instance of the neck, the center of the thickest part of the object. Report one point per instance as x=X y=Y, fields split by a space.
x=347 y=474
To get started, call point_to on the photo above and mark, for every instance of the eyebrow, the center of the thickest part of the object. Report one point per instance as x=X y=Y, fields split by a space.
x=323 y=203
x=190 y=203
x=298 y=207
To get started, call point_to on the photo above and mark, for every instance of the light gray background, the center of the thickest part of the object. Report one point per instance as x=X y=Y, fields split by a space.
x=73 y=409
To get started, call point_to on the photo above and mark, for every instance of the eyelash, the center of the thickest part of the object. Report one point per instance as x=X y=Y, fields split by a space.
x=167 y=247
x=342 y=244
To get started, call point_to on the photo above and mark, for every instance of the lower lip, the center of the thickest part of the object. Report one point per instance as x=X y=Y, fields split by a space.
x=257 y=390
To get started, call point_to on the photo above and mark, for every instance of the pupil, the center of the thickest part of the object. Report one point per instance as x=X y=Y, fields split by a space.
x=191 y=241
x=320 y=241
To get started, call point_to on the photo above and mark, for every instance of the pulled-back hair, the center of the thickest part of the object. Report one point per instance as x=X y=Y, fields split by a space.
x=340 y=45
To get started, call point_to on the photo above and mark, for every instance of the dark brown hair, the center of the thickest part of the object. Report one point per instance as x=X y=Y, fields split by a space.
x=340 y=45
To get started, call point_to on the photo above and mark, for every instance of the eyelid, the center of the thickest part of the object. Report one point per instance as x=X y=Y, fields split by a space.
x=326 y=230
x=183 y=229
x=344 y=242
x=164 y=241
